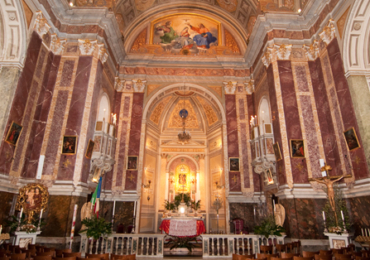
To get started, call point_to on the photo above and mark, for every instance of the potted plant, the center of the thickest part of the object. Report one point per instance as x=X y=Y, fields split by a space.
x=268 y=227
x=96 y=227
x=195 y=205
x=168 y=206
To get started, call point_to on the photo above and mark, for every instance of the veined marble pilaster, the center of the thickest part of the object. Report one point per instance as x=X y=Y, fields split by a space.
x=270 y=57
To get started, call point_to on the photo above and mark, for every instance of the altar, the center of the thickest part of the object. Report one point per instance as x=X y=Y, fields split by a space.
x=183 y=227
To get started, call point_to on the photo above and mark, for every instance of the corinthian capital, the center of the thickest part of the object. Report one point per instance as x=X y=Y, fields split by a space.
x=119 y=84
x=86 y=46
x=41 y=25
x=311 y=51
x=57 y=45
x=139 y=85
x=230 y=87
x=328 y=33
x=276 y=52
x=249 y=86
x=103 y=54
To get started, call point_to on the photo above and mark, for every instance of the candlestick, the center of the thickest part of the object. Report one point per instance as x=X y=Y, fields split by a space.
x=73 y=226
x=323 y=215
x=20 y=219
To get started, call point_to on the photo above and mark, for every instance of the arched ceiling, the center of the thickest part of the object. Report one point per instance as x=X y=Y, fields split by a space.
x=164 y=114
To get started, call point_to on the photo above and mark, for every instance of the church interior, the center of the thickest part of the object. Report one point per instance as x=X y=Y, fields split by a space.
x=228 y=129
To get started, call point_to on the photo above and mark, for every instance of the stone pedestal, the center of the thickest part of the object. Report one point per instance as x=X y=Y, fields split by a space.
x=23 y=239
x=338 y=241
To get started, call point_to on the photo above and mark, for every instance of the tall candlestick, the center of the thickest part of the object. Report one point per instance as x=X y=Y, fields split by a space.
x=323 y=216
x=73 y=226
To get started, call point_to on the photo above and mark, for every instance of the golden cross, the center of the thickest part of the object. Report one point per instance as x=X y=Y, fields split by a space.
x=131 y=177
x=357 y=160
x=67 y=163
x=280 y=169
x=235 y=179
x=7 y=155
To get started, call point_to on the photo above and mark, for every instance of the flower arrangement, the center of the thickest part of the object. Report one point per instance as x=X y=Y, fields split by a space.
x=96 y=227
x=337 y=230
x=268 y=227
x=13 y=223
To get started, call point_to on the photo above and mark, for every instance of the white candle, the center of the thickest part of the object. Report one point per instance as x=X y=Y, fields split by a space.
x=1 y=229
x=323 y=216
x=42 y=210
x=134 y=208
x=273 y=201
x=73 y=226
x=362 y=232
x=341 y=212
x=114 y=208
x=322 y=164
x=20 y=215
x=254 y=211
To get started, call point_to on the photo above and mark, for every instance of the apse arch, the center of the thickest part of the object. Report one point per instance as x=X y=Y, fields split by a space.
x=172 y=160
x=356 y=42
x=175 y=87
x=142 y=22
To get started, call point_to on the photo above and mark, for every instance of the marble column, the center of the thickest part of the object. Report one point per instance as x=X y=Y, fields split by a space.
x=359 y=88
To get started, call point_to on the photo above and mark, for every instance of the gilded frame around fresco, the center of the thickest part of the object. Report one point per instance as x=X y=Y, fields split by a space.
x=129 y=160
x=291 y=148
x=75 y=144
x=89 y=149
x=10 y=132
x=277 y=151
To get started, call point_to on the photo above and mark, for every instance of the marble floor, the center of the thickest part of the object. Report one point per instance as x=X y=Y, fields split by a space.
x=184 y=258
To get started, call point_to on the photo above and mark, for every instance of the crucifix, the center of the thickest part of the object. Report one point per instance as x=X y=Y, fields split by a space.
x=329 y=181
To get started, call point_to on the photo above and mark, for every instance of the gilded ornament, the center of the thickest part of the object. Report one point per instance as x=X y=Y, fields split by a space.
x=32 y=198
x=228 y=5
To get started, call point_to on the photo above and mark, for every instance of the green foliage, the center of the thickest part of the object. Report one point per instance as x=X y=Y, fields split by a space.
x=96 y=227
x=180 y=197
x=195 y=205
x=169 y=205
x=13 y=223
x=340 y=205
x=268 y=227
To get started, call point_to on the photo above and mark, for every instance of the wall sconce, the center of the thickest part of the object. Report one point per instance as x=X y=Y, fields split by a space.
x=219 y=187
x=172 y=180
x=192 y=180
x=96 y=175
x=148 y=198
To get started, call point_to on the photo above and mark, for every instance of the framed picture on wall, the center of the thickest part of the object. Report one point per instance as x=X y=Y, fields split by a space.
x=270 y=179
x=13 y=134
x=277 y=151
x=132 y=162
x=297 y=148
x=69 y=144
x=234 y=164
x=351 y=139
x=89 y=149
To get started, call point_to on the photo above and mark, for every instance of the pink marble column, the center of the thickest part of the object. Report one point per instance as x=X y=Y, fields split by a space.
x=347 y=111
x=76 y=110
x=41 y=116
x=232 y=140
x=292 y=120
x=280 y=165
x=135 y=136
x=18 y=108
x=324 y=115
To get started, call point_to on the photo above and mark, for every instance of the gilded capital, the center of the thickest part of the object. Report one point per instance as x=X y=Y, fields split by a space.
x=41 y=25
x=86 y=46
x=139 y=85
x=119 y=84
x=230 y=87
x=249 y=87
x=57 y=45
x=328 y=33
x=312 y=51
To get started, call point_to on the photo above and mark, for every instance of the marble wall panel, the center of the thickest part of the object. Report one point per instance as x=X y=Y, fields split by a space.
x=52 y=148
x=92 y=119
x=235 y=181
x=304 y=218
x=243 y=211
x=121 y=163
x=124 y=214
x=291 y=117
x=324 y=115
x=5 y=206
x=58 y=216
x=246 y=161
x=135 y=136
x=67 y=73
x=360 y=214
x=280 y=165
x=20 y=99
x=76 y=111
x=346 y=108
x=40 y=117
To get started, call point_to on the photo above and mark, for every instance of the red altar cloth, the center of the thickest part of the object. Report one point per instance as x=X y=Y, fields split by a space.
x=165 y=226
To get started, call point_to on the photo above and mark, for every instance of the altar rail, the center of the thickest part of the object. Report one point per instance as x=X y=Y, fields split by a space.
x=152 y=245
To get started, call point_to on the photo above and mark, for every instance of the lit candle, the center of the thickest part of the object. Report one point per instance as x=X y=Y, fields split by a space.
x=323 y=215
x=341 y=212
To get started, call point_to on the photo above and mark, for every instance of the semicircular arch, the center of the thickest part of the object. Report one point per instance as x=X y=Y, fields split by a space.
x=190 y=160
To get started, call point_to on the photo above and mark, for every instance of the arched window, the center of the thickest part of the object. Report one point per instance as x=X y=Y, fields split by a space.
x=104 y=112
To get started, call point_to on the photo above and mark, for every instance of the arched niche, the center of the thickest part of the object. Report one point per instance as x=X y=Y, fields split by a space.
x=188 y=160
x=264 y=114
x=104 y=109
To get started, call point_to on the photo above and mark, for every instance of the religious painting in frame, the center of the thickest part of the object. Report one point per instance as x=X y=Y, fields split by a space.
x=69 y=144
x=277 y=151
x=89 y=149
x=351 y=139
x=13 y=133
x=132 y=162
x=234 y=164
x=297 y=148
x=185 y=31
